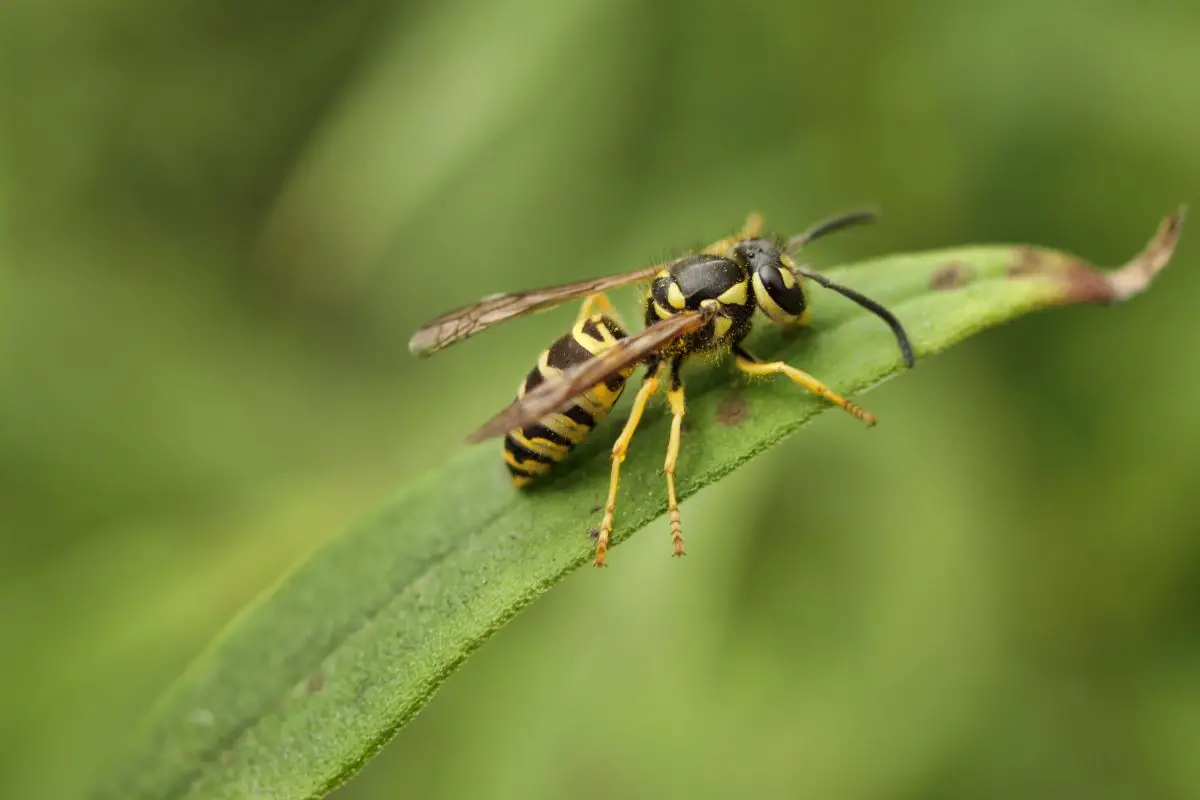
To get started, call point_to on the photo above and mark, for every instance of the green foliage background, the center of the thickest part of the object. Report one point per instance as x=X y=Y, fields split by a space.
x=221 y=222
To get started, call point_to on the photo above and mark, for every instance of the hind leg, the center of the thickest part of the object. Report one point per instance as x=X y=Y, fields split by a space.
x=676 y=400
x=620 y=449
x=598 y=303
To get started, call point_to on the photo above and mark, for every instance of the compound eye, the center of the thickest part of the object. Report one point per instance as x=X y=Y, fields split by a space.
x=779 y=294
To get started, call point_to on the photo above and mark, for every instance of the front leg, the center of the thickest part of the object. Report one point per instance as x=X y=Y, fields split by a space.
x=752 y=366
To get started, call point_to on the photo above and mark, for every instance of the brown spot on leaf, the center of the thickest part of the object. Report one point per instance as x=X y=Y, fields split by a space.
x=1028 y=261
x=596 y=509
x=316 y=681
x=732 y=410
x=949 y=276
x=594 y=533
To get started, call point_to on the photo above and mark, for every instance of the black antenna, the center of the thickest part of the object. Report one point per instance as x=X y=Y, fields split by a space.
x=865 y=302
x=829 y=226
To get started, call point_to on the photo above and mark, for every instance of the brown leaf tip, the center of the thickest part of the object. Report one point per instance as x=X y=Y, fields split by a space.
x=732 y=410
x=949 y=276
x=1082 y=283
x=1087 y=285
x=1135 y=276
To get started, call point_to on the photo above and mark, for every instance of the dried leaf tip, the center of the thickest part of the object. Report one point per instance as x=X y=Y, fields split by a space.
x=1135 y=276
x=1080 y=282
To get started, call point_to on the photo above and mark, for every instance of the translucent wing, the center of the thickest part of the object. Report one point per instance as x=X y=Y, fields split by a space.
x=554 y=395
x=469 y=320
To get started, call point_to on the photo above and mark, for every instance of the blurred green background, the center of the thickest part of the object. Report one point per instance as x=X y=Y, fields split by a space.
x=220 y=223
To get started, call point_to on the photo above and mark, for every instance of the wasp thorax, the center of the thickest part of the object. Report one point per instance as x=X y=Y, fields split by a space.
x=694 y=279
x=777 y=290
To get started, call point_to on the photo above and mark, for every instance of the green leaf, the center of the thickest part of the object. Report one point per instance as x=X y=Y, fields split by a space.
x=310 y=682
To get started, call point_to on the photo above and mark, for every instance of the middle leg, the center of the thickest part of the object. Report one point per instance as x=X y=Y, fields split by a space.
x=598 y=303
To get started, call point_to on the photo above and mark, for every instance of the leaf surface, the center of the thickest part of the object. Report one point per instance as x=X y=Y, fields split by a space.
x=311 y=680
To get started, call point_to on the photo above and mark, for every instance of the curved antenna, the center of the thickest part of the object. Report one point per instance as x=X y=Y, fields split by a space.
x=870 y=305
x=828 y=226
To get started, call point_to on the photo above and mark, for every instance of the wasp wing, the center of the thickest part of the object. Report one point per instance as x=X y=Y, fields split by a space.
x=467 y=321
x=555 y=394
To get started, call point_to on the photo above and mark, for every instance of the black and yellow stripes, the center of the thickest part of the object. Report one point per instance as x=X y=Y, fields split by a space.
x=531 y=451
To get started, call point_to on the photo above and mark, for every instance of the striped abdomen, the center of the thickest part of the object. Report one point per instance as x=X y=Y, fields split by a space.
x=532 y=450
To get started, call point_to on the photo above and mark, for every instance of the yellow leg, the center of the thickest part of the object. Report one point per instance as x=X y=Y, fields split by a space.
x=598 y=302
x=749 y=365
x=752 y=228
x=620 y=448
x=675 y=398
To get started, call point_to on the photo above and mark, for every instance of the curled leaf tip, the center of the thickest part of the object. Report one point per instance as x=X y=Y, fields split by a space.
x=1075 y=281
x=1135 y=276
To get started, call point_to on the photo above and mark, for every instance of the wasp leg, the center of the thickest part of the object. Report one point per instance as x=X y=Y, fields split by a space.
x=620 y=448
x=750 y=230
x=675 y=398
x=753 y=226
x=598 y=302
x=752 y=366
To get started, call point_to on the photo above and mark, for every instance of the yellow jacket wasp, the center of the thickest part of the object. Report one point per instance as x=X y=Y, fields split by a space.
x=700 y=303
